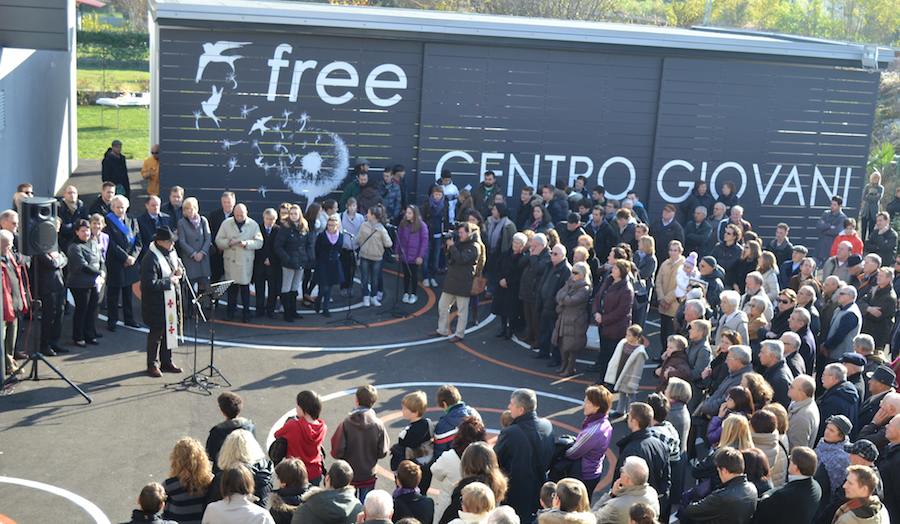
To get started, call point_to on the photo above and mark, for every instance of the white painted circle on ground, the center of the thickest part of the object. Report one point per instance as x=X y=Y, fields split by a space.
x=398 y=385
x=89 y=507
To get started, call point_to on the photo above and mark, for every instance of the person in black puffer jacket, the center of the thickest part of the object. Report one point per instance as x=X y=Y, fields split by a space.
x=295 y=249
x=538 y=263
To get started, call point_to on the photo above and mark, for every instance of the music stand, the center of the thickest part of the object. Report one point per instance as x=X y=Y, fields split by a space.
x=215 y=291
x=195 y=380
x=348 y=319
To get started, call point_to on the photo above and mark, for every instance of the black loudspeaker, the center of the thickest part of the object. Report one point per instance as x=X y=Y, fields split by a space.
x=37 y=226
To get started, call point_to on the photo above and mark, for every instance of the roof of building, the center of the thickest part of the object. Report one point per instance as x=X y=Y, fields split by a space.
x=552 y=30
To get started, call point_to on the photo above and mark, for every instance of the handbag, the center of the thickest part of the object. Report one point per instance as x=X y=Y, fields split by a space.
x=560 y=466
x=479 y=283
x=278 y=450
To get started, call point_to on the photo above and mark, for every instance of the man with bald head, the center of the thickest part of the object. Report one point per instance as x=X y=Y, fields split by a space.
x=152 y=220
x=237 y=239
x=876 y=430
x=803 y=413
x=71 y=210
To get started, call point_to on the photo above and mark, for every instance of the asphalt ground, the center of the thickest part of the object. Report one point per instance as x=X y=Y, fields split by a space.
x=63 y=460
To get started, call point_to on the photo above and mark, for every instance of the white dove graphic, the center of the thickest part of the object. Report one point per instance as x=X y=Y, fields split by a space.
x=260 y=125
x=212 y=103
x=213 y=53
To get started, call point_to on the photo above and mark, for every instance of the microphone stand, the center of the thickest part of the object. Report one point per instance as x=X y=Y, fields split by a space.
x=195 y=380
x=348 y=318
x=395 y=311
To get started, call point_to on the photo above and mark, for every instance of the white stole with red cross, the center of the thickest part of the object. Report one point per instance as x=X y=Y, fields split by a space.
x=170 y=296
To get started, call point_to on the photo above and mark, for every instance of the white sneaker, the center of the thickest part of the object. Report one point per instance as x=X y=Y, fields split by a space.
x=412 y=298
x=366 y=302
x=405 y=298
x=376 y=302
x=434 y=283
x=380 y=296
x=425 y=282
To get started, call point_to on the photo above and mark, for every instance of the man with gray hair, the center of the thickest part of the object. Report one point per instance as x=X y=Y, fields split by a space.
x=753 y=287
x=378 y=507
x=629 y=489
x=739 y=364
x=777 y=374
x=121 y=262
x=799 y=323
x=538 y=262
x=878 y=305
x=151 y=220
x=837 y=265
x=792 y=358
x=803 y=413
x=845 y=325
x=698 y=233
x=524 y=451
x=840 y=397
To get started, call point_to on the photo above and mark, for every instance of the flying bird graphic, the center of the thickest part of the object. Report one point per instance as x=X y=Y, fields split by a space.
x=212 y=53
x=231 y=77
x=226 y=144
x=262 y=191
x=212 y=103
x=246 y=110
x=260 y=125
x=232 y=162
x=197 y=115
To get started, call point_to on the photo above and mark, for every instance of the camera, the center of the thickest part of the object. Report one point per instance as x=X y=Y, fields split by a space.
x=452 y=232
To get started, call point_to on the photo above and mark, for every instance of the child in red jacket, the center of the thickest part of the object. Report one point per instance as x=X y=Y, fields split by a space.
x=305 y=434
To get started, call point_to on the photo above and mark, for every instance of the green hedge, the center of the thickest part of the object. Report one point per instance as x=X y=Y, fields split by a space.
x=117 y=49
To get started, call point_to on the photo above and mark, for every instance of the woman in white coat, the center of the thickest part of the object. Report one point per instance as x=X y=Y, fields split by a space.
x=625 y=368
x=768 y=267
x=237 y=505
x=446 y=472
x=237 y=239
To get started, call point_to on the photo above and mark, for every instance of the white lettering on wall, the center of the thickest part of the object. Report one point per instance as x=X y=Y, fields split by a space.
x=632 y=177
x=276 y=63
x=764 y=191
x=686 y=184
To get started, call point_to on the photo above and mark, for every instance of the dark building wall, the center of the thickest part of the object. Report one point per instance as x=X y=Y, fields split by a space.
x=652 y=122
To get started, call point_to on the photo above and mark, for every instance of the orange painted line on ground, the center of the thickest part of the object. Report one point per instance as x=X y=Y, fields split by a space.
x=507 y=365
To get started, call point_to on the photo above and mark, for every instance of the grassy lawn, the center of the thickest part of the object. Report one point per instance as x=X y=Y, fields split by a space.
x=113 y=80
x=132 y=127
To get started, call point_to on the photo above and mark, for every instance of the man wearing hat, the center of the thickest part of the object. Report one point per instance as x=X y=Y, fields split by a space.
x=855 y=363
x=881 y=382
x=860 y=453
x=713 y=275
x=161 y=273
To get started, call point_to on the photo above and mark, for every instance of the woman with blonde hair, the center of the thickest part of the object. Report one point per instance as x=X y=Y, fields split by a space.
x=768 y=268
x=194 y=242
x=294 y=246
x=572 y=321
x=478 y=464
x=241 y=449
x=477 y=503
x=735 y=434
x=190 y=476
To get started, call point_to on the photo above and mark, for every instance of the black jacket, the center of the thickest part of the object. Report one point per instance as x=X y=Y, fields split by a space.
x=215 y=219
x=99 y=207
x=889 y=467
x=532 y=275
x=779 y=377
x=120 y=249
x=866 y=413
x=624 y=236
x=138 y=517
x=714 y=286
x=147 y=227
x=524 y=451
x=644 y=445
x=413 y=505
x=884 y=245
x=604 y=237
x=663 y=234
x=785 y=272
x=554 y=279
x=85 y=264
x=727 y=256
x=569 y=239
x=175 y=213
x=840 y=399
x=153 y=286
x=295 y=249
x=783 y=252
x=793 y=503
x=697 y=238
x=267 y=251
x=220 y=431
x=50 y=274
x=113 y=169
x=693 y=202
x=262 y=482
x=67 y=220
x=506 y=300
x=733 y=503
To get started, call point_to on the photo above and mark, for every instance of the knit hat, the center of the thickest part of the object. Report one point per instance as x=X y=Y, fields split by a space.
x=853 y=358
x=854 y=260
x=885 y=375
x=842 y=423
x=710 y=260
x=864 y=449
x=691 y=260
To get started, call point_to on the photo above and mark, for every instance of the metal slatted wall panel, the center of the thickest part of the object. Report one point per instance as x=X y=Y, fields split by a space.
x=788 y=135
x=282 y=116
x=534 y=115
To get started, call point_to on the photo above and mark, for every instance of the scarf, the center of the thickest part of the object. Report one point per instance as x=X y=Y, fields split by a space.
x=404 y=491
x=129 y=235
x=332 y=237
x=195 y=221
x=590 y=419
x=495 y=232
x=835 y=461
x=171 y=302
x=436 y=207
x=854 y=504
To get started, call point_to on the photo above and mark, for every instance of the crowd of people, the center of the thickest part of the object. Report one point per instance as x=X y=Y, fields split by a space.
x=776 y=379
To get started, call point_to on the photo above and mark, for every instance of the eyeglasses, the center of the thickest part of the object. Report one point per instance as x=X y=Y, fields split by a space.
x=785 y=300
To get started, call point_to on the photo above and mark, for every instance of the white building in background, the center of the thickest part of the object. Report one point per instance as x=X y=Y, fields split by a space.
x=38 y=127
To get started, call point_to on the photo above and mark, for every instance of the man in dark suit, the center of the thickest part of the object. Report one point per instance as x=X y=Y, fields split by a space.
x=667 y=229
x=792 y=266
x=152 y=220
x=122 y=269
x=173 y=206
x=880 y=384
x=100 y=205
x=798 y=499
x=266 y=268
x=215 y=218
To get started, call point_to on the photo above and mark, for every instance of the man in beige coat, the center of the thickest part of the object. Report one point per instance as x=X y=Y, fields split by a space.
x=803 y=413
x=665 y=290
x=630 y=488
x=237 y=239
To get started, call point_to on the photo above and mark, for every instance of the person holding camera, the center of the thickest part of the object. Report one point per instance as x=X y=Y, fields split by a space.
x=462 y=258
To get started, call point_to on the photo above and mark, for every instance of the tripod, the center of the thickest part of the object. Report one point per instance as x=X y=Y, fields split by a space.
x=348 y=318
x=215 y=292
x=35 y=356
x=195 y=380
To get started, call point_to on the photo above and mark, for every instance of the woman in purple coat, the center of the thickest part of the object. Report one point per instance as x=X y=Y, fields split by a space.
x=412 y=246
x=593 y=440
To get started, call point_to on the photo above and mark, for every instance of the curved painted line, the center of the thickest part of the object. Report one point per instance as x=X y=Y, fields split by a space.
x=89 y=507
x=492 y=360
x=313 y=349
